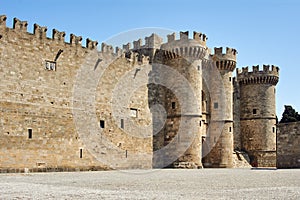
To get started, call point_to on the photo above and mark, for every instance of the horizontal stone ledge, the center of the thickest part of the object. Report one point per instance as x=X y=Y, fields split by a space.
x=183 y=115
x=262 y=151
x=251 y=118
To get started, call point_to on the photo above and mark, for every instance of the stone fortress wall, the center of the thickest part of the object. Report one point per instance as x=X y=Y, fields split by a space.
x=288 y=148
x=62 y=105
x=37 y=105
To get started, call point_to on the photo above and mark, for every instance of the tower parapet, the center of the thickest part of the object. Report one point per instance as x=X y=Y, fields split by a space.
x=185 y=47
x=269 y=75
x=225 y=61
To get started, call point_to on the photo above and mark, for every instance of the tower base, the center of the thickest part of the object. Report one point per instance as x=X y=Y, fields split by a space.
x=262 y=158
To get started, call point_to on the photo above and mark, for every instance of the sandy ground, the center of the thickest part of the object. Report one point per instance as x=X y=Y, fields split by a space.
x=154 y=184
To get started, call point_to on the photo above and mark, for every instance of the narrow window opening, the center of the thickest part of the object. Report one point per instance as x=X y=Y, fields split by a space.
x=122 y=123
x=200 y=123
x=173 y=105
x=254 y=111
x=133 y=112
x=273 y=129
x=50 y=65
x=126 y=153
x=199 y=68
x=230 y=129
x=216 y=105
x=229 y=79
x=29 y=133
x=102 y=123
x=80 y=153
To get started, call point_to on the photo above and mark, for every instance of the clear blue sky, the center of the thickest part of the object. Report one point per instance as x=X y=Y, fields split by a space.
x=263 y=31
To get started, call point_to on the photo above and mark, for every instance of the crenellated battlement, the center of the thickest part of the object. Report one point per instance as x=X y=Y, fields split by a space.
x=268 y=75
x=57 y=35
x=184 y=46
x=184 y=36
x=224 y=60
x=91 y=44
x=230 y=53
x=3 y=21
x=20 y=25
x=40 y=32
x=173 y=48
x=76 y=40
x=152 y=41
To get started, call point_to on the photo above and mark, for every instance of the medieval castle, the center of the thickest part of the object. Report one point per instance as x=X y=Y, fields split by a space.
x=156 y=104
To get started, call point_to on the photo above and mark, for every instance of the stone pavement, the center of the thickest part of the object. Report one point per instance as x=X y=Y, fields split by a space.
x=154 y=184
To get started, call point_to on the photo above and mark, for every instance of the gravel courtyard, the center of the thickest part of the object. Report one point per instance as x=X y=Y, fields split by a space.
x=154 y=184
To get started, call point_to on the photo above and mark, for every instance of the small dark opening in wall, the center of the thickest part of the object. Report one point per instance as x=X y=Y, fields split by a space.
x=7 y=133
x=216 y=105
x=254 y=111
x=230 y=129
x=133 y=112
x=80 y=153
x=230 y=79
x=29 y=133
x=200 y=123
x=122 y=123
x=102 y=123
x=173 y=105
x=52 y=102
x=274 y=129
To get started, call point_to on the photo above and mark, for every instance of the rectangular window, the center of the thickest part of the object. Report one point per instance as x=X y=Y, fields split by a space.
x=230 y=129
x=200 y=123
x=80 y=153
x=173 y=105
x=254 y=111
x=29 y=133
x=50 y=65
x=216 y=105
x=274 y=129
x=133 y=112
x=229 y=79
x=102 y=124
x=122 y=123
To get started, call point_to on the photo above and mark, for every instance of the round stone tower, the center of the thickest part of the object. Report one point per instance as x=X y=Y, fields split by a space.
x=182 y=61
x=222 y=143
x=258 y=114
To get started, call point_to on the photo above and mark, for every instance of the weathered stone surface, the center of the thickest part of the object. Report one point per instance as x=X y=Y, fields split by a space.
x=288 y=148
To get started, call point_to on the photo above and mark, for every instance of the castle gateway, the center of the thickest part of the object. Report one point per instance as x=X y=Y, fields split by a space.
x=156 y=104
